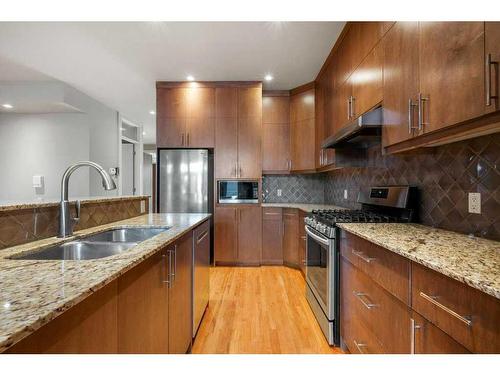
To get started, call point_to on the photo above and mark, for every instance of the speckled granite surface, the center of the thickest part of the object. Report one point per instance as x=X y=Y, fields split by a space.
x=13 y=205
x=473 y=261
x=303 y=206
x=33 y=292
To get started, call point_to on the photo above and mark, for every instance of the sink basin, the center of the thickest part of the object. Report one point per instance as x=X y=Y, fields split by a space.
x=79 y=250
x=125 y=235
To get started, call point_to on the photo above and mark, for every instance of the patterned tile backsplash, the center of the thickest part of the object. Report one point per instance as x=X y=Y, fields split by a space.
x=31 y=224
x=444 y=175
x=307 y=188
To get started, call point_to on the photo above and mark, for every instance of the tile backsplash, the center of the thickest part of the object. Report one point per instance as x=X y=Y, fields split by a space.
x=307 y=188
x=444 y=175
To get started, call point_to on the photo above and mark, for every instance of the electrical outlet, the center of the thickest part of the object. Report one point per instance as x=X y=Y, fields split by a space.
x=475 y=203
x=345 y=193
x=278 y=192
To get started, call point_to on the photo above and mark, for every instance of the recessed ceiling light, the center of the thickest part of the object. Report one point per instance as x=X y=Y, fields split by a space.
x=190 y=78
x=7 y=106
x=152 y=112
x=143 y=133
x=268 y=77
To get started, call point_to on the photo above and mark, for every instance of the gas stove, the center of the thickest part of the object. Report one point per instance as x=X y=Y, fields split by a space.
x=389 y=204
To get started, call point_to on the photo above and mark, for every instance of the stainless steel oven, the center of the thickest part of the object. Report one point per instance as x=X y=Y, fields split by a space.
x=322 y=277
x=238 y=191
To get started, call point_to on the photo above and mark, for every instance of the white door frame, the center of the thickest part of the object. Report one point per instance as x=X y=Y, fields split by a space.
x=138 y=160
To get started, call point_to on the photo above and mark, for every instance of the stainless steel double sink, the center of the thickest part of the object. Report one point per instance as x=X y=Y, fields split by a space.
x=95 y=246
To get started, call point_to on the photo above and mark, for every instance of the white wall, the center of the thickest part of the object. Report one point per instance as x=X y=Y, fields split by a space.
x=46 y=144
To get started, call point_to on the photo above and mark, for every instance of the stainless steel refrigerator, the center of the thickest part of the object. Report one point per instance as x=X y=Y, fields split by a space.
x=185 y=181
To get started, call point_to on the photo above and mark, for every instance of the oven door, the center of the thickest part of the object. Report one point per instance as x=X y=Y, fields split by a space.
x=319 y=270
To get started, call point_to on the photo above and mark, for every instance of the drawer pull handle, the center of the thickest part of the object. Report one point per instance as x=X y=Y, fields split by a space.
x=361 y=255
x=414 y=327
x=360 y=346
x=364 y=300
x=201 y=237
x=432 y=299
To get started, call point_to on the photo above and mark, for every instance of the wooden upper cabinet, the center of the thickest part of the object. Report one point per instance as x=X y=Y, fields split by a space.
x=250 y=101
x=249 y=147
x=226 y=132
x=302 y=131
x=365 y=35
x=275 y=133
x=226 y=102
x=492 y=56
x=171 y=102
x=341 y=112
x=400 y=83
x=451 y=72
x=367 y=82
x=170 y=131
x=200 y=113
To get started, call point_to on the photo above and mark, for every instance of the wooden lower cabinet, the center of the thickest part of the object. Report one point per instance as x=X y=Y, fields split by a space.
x=272 y=236
x=302 y=242
x=180 y=296
x=238 y=235
x=291 y=237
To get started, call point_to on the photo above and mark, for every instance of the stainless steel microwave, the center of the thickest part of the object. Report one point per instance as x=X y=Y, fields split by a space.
x=242 y=192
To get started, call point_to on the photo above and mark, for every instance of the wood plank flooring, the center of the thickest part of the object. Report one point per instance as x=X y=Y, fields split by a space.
x=260 y=310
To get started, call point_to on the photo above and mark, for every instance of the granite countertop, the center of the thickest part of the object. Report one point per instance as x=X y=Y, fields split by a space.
x=471 y=260
x=20 y=205
x=33 y=292
x=304 y=206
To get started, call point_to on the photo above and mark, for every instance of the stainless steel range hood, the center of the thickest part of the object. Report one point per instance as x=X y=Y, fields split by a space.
x=363 y=132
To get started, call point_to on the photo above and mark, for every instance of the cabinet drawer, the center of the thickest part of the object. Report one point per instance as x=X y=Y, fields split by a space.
x=272 y=213
x=390 y=270
x=469 y=316
x=382 y=314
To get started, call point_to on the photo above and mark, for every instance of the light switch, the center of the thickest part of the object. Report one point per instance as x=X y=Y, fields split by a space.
x=38 y=181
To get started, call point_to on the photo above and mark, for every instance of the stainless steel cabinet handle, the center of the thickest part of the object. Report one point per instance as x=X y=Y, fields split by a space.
x=360 y=346
x=432 y=299
x=175 y=263
x=353 y=99
x=364 y=300
x=349 y=108
x=182 y=139
x=411 y=105
x=421 y=113
x=201 y=237
x=169 y=275
x=413 y=327
x=489 y=63
x=361 y=255
x=166 y=280
x=240 y=170
x=187 y=139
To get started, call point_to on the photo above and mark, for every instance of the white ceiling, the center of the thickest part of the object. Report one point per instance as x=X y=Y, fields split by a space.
x=118 y=63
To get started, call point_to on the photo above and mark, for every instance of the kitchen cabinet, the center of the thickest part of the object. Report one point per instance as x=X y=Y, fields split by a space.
x=302 y=129
x=451 y=73
x=291 y=240
x=272 y=235
x=392 y=305
x=302 y=243
x=180 y=295
x=185 y=116
x=201 y=273
x=276 y=133
x=143 y=307
x=492 y=59
x=322 y=118
x=238 y=235
x=238 y=131
x=401 y=83
x=342 y=110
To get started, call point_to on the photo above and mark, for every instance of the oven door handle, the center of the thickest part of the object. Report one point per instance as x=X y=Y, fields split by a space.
x=317 y=238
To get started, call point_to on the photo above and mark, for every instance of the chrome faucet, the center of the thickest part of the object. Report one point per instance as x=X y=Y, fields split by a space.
x=65 y=220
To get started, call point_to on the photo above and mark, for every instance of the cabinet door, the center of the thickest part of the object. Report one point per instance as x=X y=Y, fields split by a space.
x=302 y=131
x=429 y=339
x=200 y=113
x=291 y=237
x=201 y=272
x=367 y=82
x=143 y=308
x=226 y=132
x=401 y=82
x=180 y=296
x=275 y=133
x=492 y=55
x=272 y=236
x=171 y=117
x=302 y=243
x=451 y=72
x=225 y=235
x=249 y=235
x=250 y=102
x=249 y=147
x=341 y=113
x=226 y=147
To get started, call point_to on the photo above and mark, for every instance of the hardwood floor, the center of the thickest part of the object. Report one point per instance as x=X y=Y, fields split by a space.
x=261 y=310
